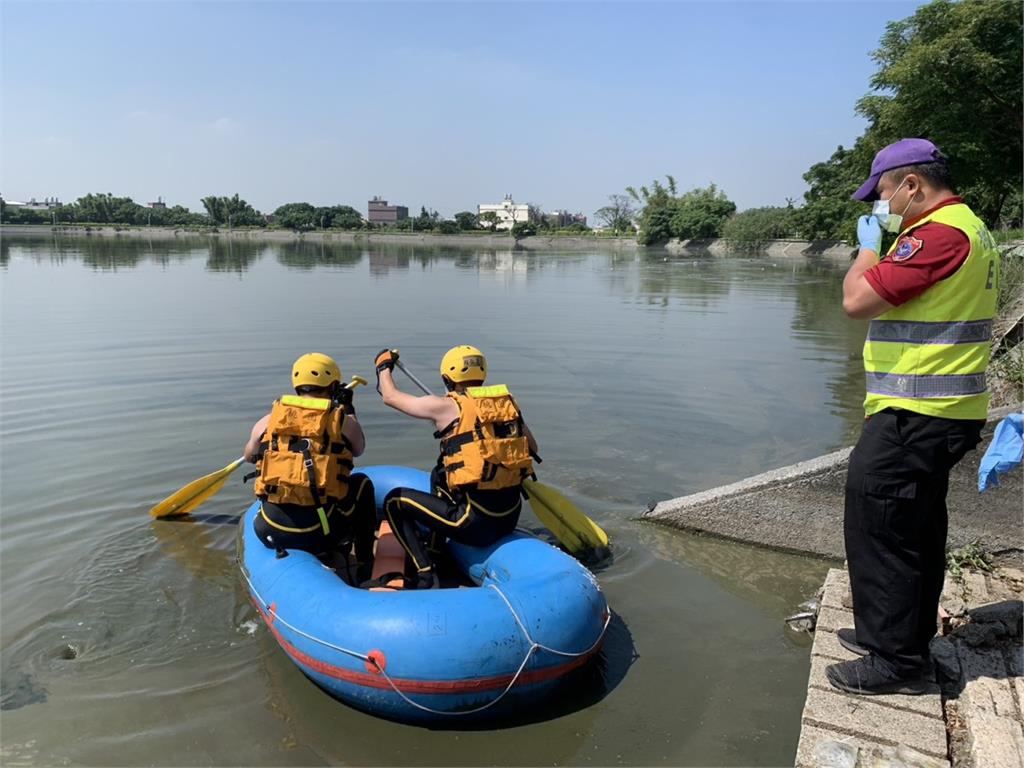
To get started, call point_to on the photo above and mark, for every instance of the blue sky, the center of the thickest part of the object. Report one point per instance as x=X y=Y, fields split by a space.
x=437 y=104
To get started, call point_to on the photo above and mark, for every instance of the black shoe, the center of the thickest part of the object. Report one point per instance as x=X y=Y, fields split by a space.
x=867 y=676
x=848 y=639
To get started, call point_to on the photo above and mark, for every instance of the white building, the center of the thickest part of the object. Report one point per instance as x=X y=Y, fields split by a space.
x=508 y=212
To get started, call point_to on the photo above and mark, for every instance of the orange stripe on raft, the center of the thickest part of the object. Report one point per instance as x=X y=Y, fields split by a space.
x=375 y=680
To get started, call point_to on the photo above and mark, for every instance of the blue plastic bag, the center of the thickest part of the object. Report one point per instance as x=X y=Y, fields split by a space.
x=1004 y=453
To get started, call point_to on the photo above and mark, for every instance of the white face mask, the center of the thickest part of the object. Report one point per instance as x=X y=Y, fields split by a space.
x=891 y=222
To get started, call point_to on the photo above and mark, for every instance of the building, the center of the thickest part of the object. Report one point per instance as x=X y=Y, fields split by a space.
x=35 y=205
x=159 y=205
x=379 y=212
x=561 y=218
x=508 y=211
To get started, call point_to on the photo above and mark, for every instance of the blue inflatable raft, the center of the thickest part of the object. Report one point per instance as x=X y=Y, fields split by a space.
x=534 y=616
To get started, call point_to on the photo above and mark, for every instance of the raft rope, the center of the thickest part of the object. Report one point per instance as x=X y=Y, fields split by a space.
x=534 y=646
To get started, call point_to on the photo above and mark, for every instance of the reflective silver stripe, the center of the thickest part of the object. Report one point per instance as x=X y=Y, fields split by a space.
x=908 y=385
x=912 y=332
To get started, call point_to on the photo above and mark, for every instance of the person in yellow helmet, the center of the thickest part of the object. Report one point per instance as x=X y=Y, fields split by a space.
x=310 y=498
x=931 y=298
x=485 y=454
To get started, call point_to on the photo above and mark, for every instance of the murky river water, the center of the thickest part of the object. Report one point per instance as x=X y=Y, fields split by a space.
x=131 y=367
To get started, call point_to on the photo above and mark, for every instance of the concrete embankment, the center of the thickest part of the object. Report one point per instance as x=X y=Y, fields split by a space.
x=971 y=717
x=831 y=250
x=477 y=241
x=800 y=507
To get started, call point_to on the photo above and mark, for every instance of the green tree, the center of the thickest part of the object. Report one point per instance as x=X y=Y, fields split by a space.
x=341 y=217
x=427 y=220
x=466 y=220
x=489 y=219
x=298 y=216
x=952 y=72
x=618 y=214
x=448 y=227
x=523 y=229
x=754 y=226
x=700 y=213
x=232 y=211
x=828 y=212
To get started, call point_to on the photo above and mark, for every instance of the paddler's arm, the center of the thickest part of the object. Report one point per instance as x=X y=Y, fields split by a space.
x=253 y=444
x=353 y=430
x=440 y=410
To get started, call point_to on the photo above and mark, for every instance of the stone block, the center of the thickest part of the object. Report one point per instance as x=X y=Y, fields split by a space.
x=975 y=588
x=831 y=619
x=837 y=589
x=820 y=748
x=928 y=705
x=995 y=742
x=827 y=644
x=986 y=684
x=1006 y=611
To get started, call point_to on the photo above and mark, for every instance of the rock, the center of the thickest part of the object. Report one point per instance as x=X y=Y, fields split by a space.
x=945 y=658
x=955 y=607
x=977 y=635
x=1006 y=612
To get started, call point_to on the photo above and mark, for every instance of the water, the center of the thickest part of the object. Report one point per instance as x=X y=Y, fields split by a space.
x=132 y=367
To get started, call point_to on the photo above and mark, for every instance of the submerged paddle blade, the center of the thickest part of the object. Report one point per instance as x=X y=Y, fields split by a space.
x=195 y=493
x=570 y=525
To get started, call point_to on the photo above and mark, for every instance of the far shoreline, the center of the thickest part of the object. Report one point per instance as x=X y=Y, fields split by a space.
x=831 y=250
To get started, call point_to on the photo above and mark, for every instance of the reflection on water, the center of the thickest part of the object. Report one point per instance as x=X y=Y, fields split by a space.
x=642 y=375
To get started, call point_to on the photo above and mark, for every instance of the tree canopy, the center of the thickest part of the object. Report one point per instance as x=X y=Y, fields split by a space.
x=699 y=213
x=951 y=73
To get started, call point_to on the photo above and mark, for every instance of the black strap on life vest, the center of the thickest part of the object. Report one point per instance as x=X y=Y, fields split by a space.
x=314 y=492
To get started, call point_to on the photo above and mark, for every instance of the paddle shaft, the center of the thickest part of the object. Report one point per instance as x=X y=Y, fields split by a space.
x=412 y=378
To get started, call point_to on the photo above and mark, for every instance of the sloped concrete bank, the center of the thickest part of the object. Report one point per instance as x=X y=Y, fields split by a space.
x=800 y=507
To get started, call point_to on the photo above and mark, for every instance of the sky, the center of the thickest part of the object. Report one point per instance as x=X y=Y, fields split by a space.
x=443 y=105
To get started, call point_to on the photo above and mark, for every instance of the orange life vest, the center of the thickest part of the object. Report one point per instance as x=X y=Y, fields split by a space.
x=304 y=458
x=486 y=447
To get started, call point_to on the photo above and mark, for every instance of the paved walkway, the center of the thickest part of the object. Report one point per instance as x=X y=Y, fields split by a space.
x=972 y=717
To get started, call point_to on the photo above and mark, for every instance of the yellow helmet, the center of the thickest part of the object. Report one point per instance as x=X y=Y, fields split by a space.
x=315 y=370
x=464 y=363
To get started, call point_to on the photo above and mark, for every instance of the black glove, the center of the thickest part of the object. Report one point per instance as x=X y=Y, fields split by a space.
x=344 y=397
x=386 y=359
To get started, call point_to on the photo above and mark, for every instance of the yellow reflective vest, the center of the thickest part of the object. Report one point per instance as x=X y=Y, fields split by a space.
x=486 y=447
x=929 y=355
x=304 y=458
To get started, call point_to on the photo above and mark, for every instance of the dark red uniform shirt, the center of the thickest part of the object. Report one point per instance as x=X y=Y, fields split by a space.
x=923 y=257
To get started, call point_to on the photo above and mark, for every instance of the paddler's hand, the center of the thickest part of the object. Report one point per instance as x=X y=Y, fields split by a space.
x=344 y=397
x=386 y=360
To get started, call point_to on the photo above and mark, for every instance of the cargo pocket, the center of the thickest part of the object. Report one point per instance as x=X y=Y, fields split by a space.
x=890 y=507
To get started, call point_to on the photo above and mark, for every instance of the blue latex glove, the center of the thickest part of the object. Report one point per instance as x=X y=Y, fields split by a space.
x=869 y=233
x=1004 y=453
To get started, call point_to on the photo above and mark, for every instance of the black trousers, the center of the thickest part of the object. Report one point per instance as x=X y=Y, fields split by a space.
x=895 y=526
x=353 y=519
x=477 y=518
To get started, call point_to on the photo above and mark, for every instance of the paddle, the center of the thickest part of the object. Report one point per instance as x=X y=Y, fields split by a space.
x=183 y=501
x=580 y=535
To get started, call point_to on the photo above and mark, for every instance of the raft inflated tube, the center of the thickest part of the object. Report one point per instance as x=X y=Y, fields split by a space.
x=535 y=615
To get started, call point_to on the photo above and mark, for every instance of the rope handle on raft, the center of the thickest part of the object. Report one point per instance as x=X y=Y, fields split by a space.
x=369 y=659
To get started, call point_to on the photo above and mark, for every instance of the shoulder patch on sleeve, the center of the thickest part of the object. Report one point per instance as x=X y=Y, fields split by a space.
x=907 y=246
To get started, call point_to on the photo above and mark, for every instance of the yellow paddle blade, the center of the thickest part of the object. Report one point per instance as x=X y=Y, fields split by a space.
x=570 y=525
x=195 y=493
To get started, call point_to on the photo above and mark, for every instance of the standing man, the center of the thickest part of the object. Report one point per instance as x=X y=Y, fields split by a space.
x=931 y=299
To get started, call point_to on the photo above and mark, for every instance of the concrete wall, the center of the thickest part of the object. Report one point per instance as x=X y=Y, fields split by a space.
x=800 y=507
x=482 y=240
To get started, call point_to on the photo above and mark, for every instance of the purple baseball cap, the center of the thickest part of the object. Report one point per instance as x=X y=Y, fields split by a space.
x=901 y=153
